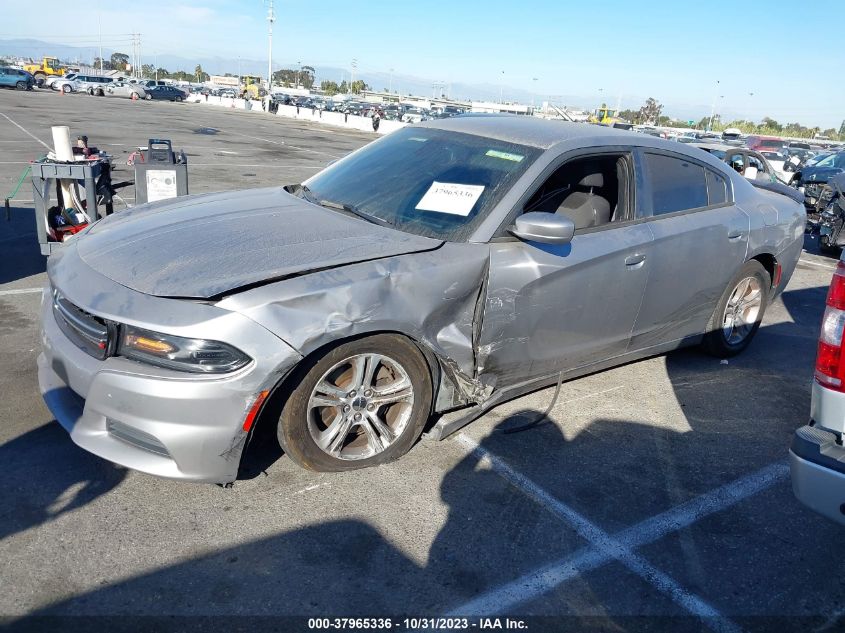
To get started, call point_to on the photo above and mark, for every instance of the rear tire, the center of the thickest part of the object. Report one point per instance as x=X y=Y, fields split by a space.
x=739 y=311
x=365 y=402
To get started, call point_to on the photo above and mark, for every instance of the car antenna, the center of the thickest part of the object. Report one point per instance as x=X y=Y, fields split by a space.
x=543 y=416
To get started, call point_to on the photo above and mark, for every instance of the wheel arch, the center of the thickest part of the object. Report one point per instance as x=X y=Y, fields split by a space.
x=443 y=387
x=770 y=263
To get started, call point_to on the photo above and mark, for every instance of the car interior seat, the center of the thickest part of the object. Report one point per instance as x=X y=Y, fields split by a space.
x=584 y=206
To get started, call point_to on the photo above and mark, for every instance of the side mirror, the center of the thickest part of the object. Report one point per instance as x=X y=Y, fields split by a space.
x=548 y=228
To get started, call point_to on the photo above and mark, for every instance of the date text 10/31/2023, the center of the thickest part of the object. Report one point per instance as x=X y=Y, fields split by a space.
x=415 y=624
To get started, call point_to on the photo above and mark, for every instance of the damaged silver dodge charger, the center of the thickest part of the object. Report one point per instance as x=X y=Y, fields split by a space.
x=433 y=273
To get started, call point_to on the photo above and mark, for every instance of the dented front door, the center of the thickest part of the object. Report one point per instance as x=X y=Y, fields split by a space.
x=553 y=308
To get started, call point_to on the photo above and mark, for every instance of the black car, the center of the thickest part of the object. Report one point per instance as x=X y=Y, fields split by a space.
x=165 y=92
x=813 y=179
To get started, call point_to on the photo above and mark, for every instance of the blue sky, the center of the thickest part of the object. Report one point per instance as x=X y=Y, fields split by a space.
x=673 y=51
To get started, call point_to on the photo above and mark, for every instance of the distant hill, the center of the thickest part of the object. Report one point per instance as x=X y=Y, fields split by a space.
x=406 y=84
x=219 y=65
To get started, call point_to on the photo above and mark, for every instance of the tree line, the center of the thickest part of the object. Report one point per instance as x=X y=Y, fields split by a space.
x=651 y=113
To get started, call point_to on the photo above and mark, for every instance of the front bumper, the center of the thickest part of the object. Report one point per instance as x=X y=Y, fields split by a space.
x=817 y=467
x=162 y=422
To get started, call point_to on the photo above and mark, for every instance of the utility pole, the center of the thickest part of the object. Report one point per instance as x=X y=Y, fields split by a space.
x=271 y=17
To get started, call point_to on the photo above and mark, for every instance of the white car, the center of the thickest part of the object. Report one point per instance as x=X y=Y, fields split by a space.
x=65 y=84
x=777 y=161
x=817 y=457
x=50 y=80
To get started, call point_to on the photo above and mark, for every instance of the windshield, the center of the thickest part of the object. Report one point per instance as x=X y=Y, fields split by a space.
x=428 y=182
x=834 y=160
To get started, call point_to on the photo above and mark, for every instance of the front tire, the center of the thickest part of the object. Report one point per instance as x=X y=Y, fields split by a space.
x=21 y=85
x=738 y=313
x=66 y=89
x=361 y=404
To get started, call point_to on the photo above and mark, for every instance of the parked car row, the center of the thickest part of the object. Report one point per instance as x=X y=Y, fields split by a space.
x=101 y=86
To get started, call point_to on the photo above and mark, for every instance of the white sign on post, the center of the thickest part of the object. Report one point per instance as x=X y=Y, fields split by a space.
x=448 y=197
x=161 y=184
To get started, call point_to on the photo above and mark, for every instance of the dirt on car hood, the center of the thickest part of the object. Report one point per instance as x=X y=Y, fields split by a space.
x=210 y=245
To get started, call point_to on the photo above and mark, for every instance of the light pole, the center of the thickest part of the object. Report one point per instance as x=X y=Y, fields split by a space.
x=271 y=17
x=100 y=36
x=750 y=95
x=354 y=65
x=390 y=89
x=501 y=88
x=601 y=103
x=298 y=73
x=713 y=107
x=533 y=90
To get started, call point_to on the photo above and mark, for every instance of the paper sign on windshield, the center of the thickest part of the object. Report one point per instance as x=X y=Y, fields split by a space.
x=448 y=197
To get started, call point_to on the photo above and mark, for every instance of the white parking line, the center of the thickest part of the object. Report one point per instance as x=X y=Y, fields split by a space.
x=605 y=548
x=25 y=131
x=816 y=264
x=21 y=291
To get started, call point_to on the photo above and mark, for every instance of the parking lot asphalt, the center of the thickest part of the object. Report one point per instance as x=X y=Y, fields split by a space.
x=655 y=496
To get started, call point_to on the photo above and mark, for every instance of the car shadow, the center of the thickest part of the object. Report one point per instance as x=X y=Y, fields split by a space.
x=615 y=469
x=47 y=476
x=22 y=256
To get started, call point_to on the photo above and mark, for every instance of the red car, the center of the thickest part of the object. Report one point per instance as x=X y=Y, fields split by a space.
x=765 y=144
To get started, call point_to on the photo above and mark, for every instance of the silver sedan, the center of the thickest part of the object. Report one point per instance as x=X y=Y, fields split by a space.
x=436 y=272
x=125 y=90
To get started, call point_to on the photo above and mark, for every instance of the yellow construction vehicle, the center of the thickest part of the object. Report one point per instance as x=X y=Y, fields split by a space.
x=49 y=67
x=605 y=116
x=251 y=85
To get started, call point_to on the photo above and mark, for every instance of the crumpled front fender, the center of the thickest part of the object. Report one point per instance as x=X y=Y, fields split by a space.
x=432 y=297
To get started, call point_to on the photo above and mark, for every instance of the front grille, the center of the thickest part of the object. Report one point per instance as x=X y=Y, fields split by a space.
x=91 y=334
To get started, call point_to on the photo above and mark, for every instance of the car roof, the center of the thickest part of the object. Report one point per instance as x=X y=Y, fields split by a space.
x=724 y=147
x=526 y=130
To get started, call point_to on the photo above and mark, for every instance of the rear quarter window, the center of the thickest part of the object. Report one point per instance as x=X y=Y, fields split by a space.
x=676 y=184
x=717 y=189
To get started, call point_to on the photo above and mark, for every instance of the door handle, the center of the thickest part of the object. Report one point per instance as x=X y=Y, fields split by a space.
x=734 y=234
x=633 y=260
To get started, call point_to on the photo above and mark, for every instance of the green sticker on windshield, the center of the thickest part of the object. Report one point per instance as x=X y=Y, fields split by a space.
x=504 y=155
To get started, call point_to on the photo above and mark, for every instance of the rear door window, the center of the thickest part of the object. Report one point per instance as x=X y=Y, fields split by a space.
x=676 y=184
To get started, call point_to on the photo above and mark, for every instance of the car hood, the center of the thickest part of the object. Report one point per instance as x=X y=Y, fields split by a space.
x=818 y=174
x=210 y=245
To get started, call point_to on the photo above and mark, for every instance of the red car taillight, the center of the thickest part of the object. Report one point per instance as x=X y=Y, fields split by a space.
x=830 y=368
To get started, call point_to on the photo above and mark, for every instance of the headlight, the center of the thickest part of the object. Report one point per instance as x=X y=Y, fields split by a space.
x=182 y=354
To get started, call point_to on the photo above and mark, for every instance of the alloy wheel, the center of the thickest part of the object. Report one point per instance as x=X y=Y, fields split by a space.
x=742 y=310
x=360 y=406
